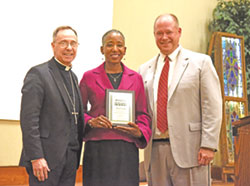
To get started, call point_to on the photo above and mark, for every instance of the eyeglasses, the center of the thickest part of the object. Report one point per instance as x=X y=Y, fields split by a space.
x=65 y=44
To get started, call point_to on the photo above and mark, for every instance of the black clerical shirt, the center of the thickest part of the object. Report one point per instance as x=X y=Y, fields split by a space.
x=73 y=144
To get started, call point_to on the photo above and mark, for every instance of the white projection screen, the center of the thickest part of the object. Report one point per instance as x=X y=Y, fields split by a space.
x=26 y=34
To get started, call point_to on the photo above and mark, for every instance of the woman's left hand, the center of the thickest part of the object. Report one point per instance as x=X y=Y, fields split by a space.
x=132 y=130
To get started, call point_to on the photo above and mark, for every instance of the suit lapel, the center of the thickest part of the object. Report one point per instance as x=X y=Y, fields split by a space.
x=126 y=82
x=76 y=84
x=102 y=79
x=149 y=80
x=77 y=90
x=59 y=82
x=181 y=65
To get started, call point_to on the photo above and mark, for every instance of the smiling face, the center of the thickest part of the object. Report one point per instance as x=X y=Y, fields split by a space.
x=65 y=46
x=167 y=34
x=113 y=47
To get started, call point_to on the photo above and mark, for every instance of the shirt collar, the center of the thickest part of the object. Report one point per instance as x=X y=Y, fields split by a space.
x=65 y=67
x=173 y=55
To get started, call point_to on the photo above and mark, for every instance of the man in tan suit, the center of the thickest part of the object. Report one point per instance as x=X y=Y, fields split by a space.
x=180 y=154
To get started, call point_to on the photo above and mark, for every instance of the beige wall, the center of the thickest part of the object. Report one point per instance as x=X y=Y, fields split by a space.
x=10 y=142
x=135 y=19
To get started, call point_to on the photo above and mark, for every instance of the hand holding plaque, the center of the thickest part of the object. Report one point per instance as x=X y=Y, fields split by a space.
x=120 y=106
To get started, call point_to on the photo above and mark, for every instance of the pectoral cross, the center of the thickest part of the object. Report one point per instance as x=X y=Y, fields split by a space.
x=72 y=100
x=75 y=115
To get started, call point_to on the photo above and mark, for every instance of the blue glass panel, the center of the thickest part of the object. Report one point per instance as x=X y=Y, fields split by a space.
x=232 y=66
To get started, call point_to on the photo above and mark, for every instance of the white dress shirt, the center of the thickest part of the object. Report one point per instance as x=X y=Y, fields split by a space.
x=160 y=63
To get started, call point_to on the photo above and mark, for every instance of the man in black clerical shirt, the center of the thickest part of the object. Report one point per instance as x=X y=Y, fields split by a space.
x=51 y=116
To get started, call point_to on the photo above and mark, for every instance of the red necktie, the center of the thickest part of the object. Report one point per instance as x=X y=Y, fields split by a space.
x=162 y=98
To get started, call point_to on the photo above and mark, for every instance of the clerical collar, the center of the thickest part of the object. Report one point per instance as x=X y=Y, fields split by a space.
x=65 y=67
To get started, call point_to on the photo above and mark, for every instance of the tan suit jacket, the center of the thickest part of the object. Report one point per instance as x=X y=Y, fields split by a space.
x=194 y=108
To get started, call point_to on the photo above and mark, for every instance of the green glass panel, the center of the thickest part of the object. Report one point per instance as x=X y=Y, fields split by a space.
x=234 y=111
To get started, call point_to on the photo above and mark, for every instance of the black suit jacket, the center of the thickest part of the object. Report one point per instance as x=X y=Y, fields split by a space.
x=46 y=115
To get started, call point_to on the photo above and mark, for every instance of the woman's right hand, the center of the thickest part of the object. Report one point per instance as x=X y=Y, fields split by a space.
x=100 y=122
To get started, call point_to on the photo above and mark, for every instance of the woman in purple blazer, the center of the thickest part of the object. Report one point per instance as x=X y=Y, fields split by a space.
x=111 y=152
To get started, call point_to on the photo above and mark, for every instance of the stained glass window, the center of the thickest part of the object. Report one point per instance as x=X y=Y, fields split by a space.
x=232 y=66
x=234 y=111
x=227 y=51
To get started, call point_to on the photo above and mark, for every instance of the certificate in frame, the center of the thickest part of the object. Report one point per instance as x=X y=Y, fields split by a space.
x=120 y=106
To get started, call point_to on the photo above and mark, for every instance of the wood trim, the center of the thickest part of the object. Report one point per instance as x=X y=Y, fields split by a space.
x=79 y=174
x=15 y=175
x=9 y=120
x=242 y=152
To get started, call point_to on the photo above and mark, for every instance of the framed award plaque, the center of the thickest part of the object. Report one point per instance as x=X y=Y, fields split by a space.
x=120 y=106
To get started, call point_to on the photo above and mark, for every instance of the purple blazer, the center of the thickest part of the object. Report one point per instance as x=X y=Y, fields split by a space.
x=93 y=85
